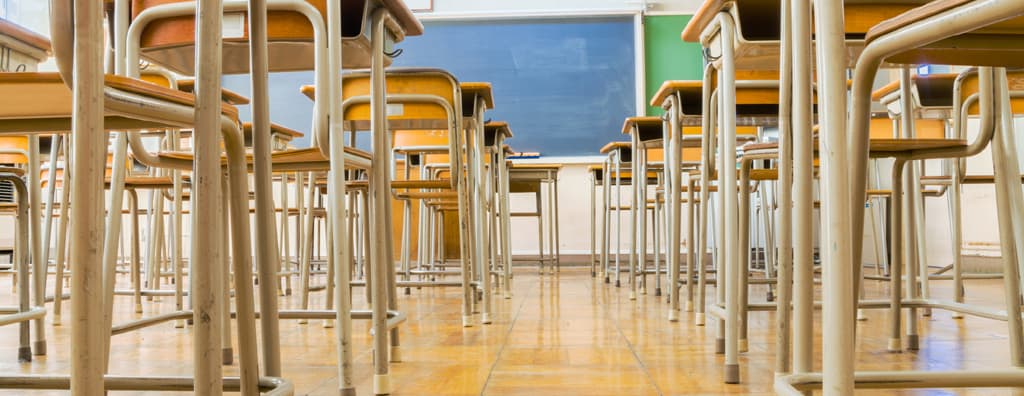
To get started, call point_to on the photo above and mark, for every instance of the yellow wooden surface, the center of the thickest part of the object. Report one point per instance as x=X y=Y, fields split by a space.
x=559 y=335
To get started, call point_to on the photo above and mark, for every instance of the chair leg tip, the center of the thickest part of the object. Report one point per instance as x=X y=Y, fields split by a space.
x=25 y=354
x=395 y=354
x=39 y=348
x=382 y=384
x=744 y=345
x=467 y=321
x=895 y=345
x=347 y=392
x=698 y=318
x=913 y=342
x=732 y=373
x=227 y=356
x=673 y=315
x=719 y=346
x=486 y=318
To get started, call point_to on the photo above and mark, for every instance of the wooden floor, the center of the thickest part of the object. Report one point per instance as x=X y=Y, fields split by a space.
x=559 y=335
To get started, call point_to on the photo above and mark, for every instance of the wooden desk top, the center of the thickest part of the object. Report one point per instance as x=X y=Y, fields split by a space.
x=933 y=89
x=615 y=146
x=860 y=16
x=24 y=35
x=690 y=89
x=648 y=126
x=227 y=95
x=749 y=100
x=473 y=89
x=494 y=129
x=43 y=97
x=532 y=166
x=282 y=130
x=307 y=156
x=404 y=15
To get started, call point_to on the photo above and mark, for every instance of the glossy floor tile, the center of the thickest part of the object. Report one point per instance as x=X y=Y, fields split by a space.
x=567 y=334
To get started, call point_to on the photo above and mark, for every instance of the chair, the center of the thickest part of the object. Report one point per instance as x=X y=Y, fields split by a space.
x=293 y=35
x=117 y=103
x=930 y=29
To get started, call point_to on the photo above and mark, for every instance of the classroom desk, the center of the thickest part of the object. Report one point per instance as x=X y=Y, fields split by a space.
x=642 y=132
x=535 y=178
x=280 y=135
x=477 y=98
x=616 y=153
x=495 y=134
x=21 y=50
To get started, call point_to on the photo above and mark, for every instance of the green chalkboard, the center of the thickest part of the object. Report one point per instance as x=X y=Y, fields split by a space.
x=666 y=56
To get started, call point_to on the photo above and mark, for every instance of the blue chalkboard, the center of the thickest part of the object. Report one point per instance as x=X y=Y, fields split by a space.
x=564 y=85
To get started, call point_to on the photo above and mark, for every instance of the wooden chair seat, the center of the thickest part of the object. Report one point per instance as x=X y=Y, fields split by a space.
x=968 y=179
x=424 y=139
x=13 y=149
x=889 y=147
x=144 y=182
x=760 y=146
x=171 y=41
x=764 y=174
x=421 y=184
x=226 y=95
x=447 y=195
x=408 y=116
x=281 y=131
x=12 y=170
x=41 y=102
x=882 y=128
x=307 y=159
x=999 y=44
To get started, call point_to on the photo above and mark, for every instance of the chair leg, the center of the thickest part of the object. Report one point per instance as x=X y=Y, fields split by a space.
x=1008 y=198
x=897 y=258
x=21 y=260
x=307 y=245
x=62 y=246
x=956 y=235
x=227 y=350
